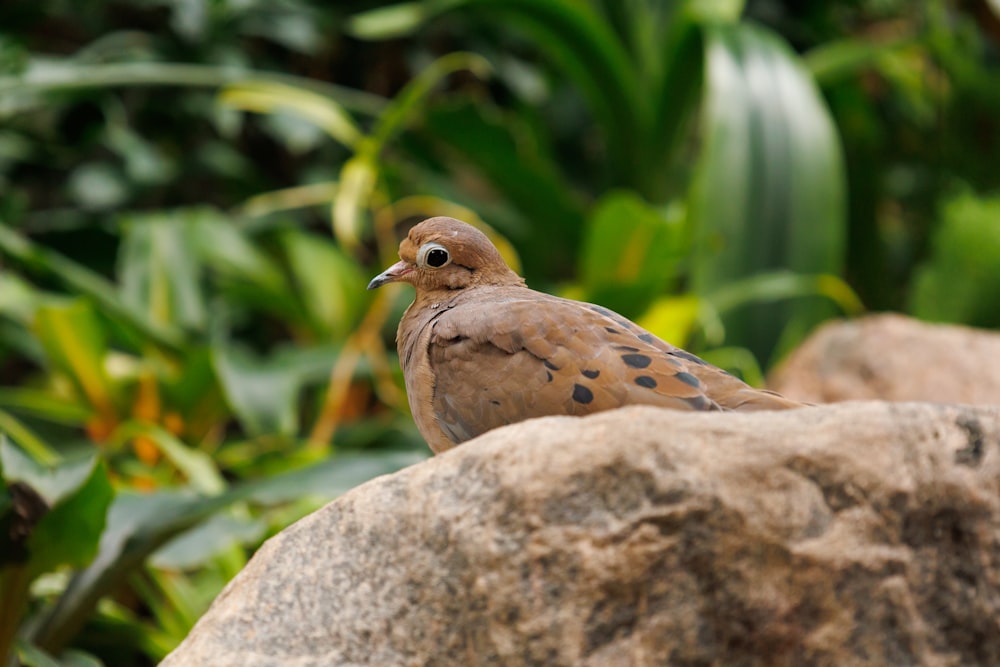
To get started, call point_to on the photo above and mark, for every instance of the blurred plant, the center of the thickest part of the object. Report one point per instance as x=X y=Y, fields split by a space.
x=766 y=193
x=160 y=368
x=201 y=374
x=960 y=281
x=915 y=91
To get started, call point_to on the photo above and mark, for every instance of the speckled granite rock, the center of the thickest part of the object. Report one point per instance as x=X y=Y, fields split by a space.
x=894 y=358
x=850 y=534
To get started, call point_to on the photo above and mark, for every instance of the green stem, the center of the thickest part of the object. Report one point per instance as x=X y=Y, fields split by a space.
x=14 y=585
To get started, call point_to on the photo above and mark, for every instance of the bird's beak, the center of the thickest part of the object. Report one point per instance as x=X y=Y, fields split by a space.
x=391 y=275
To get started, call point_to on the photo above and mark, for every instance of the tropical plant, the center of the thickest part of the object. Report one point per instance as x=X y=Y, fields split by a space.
x=667 y=85
x=191 y=206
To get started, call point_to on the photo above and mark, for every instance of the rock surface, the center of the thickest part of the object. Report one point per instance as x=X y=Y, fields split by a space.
x=849 y=534
x=894 y=358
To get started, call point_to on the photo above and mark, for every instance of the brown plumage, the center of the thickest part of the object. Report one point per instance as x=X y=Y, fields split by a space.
x=480 y=350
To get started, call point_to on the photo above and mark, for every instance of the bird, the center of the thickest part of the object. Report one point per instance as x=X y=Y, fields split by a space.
x=479 y=349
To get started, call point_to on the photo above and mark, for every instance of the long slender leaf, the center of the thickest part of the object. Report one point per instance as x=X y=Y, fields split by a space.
x=580 y=41
x=674 y=103
x=835 y=61
x=56 y=76
x=269 y=97
x=525 y=172
x=770 y=192
x=24 y=436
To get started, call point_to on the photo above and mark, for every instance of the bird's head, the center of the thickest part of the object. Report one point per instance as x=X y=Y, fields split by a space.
x=447 y=254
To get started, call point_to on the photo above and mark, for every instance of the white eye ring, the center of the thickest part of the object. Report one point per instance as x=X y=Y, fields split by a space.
x=433 y=256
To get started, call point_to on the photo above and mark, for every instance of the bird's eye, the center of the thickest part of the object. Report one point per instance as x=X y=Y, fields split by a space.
x=433 y=255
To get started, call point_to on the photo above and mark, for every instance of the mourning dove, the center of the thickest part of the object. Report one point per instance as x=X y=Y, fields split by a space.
x=479 y=349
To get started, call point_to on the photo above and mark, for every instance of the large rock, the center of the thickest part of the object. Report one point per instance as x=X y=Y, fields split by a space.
x=895 y=358
x=851 y=534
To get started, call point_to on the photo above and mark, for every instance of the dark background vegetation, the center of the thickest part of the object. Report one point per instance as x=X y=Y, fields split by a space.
x=194 y=194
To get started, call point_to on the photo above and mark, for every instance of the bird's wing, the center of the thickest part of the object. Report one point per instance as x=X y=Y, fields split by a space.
x=498 y=361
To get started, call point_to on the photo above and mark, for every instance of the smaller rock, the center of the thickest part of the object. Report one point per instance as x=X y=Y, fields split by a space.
x=894 y=358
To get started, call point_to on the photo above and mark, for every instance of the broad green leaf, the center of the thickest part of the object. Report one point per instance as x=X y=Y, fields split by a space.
x=328 y=283
x=672 y=318
x=199 y=545
x=77 y=493
x=86 y=282
x=74 y=341
x=159 y=270
x=263 y=392
x=770 y=185
x=138 y=525
x=331 y=477
x=630 y=252
x=230 y=253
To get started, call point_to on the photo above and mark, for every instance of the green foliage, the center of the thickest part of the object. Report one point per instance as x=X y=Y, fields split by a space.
x=631 y=253
x=192 y=209
x=960 y=281
x=771 y=194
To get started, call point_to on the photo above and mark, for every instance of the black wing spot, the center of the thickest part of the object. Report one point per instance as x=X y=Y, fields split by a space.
x=647 y=337
x=625 y=348
x=636 y=360
x=684 y=354
x=494 y=402
x=612 y=330
x=601 y=310
x=646 y=381
x=548 y=364
x=689 y=379
x=591 y=374
x=548 y=376
x=581 y=394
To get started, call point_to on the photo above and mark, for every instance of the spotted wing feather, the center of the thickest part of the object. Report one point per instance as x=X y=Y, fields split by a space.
x=500 y=362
